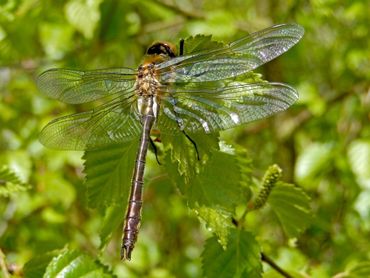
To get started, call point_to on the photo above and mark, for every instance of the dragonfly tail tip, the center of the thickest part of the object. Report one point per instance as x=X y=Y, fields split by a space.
x=126 y=253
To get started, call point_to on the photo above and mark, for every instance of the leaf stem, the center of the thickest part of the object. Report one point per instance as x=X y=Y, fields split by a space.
x=271 y=263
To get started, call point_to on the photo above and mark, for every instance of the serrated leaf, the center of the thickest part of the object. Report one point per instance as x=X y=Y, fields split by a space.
x=35 y=268
x=200 y=42
x=219 y=183
x=112 y=219
x=292 y=207
x=70 y=264
x=10 y=183
x=360 y=270
x=217 y=221
x=219 y=180
x=84 y=15
x=241 y=256
x=183 y=152
x=108 y=174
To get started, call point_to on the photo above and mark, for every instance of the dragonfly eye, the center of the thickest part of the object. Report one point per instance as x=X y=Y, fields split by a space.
x=161 y=48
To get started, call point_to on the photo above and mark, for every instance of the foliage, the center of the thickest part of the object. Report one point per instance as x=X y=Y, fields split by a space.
x=311 y=219
x=9 y=182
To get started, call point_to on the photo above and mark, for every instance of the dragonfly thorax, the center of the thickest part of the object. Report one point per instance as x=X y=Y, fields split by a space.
x=147 y=86
x=146 y=82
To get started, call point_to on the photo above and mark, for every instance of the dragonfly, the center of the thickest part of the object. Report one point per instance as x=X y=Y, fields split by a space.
x=170 y=92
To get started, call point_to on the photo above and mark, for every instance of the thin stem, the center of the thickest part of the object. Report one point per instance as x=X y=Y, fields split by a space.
x=3 y=266
x=271 y=263
x=178 y=10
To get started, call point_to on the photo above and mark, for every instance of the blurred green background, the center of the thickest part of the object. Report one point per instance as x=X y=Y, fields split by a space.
x=322 y=143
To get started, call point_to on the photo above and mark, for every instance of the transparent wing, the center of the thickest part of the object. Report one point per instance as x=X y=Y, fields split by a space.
x=108 y=124
x=233 y=59
x=210 y=109
x=75 y=86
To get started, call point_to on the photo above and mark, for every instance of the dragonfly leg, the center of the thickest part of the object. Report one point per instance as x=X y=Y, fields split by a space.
x=155 y=150
x=180 y=125
x=193 y=142
x=181 y=50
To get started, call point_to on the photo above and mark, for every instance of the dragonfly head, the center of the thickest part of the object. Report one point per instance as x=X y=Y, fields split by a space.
x=162 y=49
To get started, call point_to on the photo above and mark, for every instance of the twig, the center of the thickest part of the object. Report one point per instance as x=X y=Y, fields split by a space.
x=271 y=263
x=178 y=10
x=3 y=266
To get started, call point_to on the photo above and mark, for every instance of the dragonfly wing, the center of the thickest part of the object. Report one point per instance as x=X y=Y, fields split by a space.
x=233 y=59
x=111 y=123
x=75 y=86
x=219 y=108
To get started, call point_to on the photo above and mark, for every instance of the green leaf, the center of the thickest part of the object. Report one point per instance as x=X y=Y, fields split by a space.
x=56 y=39
x=72 y=264
x=220 y=23
x=201 y=181
x=200 y=42
x=241 y=256
x=219 y=183
x=10 y=183
x=359 y=157
x=360 y=270
x=84 y=15
x=183 y=152
x=312 y=161
x=217 y=221
x=112 y=219
x=292 y=206
x=36 y=267
x=109 y=172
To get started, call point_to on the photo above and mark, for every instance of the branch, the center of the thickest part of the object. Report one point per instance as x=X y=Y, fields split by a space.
x=178 y=10
x=271 y=263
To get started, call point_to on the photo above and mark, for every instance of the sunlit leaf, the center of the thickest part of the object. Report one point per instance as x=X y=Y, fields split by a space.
x=292 y=206
x=201 y=181
x=35 y=268
x=10 y=183
x=75 y=264
x=312 y=161
x=112 y=219
x=218 y=22
x=184 y=154
x=109 y=173
x=360 y=270
x=56 y=39
x=217 y=221
x=84 y=15
x=359 y=157
x=217 y=186
x=240 y=257
x=199 y=42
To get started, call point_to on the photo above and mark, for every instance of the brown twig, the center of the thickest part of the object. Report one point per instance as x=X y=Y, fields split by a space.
x=178 y=10
x=271 y=263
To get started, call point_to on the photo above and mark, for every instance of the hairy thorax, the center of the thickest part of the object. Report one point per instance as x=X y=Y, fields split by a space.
x=147 y=83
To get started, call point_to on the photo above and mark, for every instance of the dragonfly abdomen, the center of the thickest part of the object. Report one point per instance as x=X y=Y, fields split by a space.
x=133 y=215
